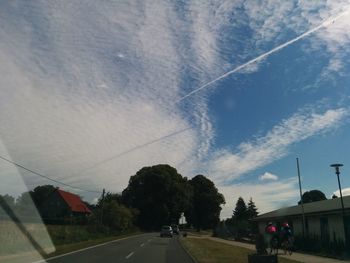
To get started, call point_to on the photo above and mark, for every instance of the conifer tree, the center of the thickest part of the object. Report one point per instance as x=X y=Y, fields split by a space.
x=252 y=211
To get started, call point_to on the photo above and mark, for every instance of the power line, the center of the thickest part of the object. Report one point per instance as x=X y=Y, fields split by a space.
x=46 y=177
x=96 y=164
x=132 y=149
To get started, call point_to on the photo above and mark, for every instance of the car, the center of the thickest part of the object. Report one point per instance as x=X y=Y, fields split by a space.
x=175 y=229
x=166 y=231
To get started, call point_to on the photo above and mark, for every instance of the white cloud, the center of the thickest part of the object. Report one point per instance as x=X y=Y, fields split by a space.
x=274 y=145
x=94 y=201
x=268 y=176
x=345 y=191
x=266 y=196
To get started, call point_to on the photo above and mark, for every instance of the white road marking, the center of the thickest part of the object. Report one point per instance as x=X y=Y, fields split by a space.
x=132 y=253
x=149 y=240
x=142 y=244
x=83 y=249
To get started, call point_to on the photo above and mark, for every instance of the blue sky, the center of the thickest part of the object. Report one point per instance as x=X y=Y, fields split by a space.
x=93 y=92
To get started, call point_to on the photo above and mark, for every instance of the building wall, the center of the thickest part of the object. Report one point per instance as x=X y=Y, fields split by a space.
x=336 y=227
x=314 y=228
x=297 y=226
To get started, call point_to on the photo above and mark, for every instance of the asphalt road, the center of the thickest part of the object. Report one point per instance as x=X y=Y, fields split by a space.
x=142 y=248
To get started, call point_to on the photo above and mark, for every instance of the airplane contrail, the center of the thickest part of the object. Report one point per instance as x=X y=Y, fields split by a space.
x=325 y=23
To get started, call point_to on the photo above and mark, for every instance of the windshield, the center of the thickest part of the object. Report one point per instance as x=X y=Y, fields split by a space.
x=120 y=117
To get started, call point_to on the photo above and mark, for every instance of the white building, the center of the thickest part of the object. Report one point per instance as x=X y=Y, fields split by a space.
x=323 y=219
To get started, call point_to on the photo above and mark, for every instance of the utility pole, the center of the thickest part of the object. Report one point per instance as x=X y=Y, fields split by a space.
x=337 y=172
x=102 y=203
x=301 y=199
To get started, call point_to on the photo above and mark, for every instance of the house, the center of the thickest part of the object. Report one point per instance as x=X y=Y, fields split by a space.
x=61 y=205
x=323 y=219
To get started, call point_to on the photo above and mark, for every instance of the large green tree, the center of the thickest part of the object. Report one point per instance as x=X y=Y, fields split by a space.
x=204 y=212
x=159 y=193
x=40 y=193
x=313 y=196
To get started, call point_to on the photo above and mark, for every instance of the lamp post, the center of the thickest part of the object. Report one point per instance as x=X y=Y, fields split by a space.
x=337 y=172
x=301 y=199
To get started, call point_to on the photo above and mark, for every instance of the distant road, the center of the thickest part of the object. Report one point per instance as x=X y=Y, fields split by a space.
x=141 y=249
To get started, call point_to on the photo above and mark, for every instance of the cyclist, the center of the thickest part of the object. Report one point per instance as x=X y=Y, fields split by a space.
x=286 y=237
x=271 y=237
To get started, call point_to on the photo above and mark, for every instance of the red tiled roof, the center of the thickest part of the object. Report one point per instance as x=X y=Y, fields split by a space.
x=74 y=202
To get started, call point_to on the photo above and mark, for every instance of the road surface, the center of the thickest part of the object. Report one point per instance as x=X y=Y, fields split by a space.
x=142 y=248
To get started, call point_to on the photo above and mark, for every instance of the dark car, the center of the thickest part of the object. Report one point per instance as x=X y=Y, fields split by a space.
x=175 y=229
x=166 y=231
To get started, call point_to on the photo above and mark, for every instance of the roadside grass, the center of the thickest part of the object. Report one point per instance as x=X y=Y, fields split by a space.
x=208 y=251
x=200 y=233
x=66 y=248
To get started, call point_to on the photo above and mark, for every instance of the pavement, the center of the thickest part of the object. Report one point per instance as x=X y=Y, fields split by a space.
x=295 y=256
x=136 y=249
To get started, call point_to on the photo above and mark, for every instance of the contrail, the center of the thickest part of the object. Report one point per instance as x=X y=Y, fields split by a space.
x=325 y=23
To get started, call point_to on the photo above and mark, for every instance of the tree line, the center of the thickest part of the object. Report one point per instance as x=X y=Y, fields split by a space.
x=155 y=196
x=241 y=224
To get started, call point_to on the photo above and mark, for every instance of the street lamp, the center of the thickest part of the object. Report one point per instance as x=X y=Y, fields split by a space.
x=337 y=172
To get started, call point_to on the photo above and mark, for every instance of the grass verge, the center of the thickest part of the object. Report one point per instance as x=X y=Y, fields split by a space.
x=62 y=249
x=208 y=251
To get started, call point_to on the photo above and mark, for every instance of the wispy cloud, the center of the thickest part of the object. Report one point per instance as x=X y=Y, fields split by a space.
x=84 y=82
x=251 y=155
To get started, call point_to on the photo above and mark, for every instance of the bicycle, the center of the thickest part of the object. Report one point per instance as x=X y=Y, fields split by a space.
x=274 y=245
x=287 y=245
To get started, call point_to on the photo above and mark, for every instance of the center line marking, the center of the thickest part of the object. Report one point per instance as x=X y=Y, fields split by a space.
x=128 y=256
x=142 y=244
